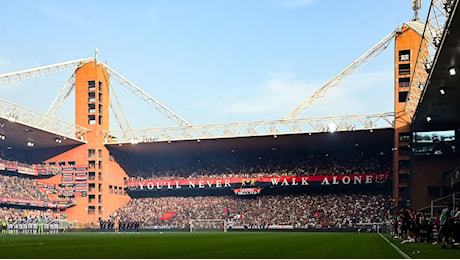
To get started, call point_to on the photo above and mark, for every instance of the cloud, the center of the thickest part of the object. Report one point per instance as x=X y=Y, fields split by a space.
x=296 y=3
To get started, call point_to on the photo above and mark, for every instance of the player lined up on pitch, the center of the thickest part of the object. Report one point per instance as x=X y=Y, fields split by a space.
x=30 y=225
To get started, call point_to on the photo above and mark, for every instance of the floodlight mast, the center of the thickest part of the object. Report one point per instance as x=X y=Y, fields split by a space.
x=350 y=70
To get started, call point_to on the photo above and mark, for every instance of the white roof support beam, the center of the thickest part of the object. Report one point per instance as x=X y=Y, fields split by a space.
x=146 y=97
x=42 y=71
x=62 y=96
x=118 y=111
x=350 y=70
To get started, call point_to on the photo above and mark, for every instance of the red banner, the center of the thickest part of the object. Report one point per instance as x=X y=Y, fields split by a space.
x=167 y=215
x=315 y=180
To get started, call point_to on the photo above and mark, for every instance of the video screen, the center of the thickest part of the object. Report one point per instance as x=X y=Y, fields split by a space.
x=435 y=143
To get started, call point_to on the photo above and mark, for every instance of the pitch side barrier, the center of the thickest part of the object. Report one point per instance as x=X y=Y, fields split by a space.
x=364 y=228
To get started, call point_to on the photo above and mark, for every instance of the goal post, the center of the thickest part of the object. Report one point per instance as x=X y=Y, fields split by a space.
x=200 y=225
x=380 y=227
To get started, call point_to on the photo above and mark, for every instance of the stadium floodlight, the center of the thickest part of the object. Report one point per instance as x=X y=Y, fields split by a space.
x=442 y=91
x=452 y=71
x=332 y=127
x=12 y=118
x=134 y=141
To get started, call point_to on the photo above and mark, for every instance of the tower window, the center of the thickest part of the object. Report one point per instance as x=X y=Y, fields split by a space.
x=404 y=137
x=404 y=69
x=91 y=108
x=91 y=97
x=91 y=120
x=404 y=82
x=91 y=85
x=402 y=96
x=404 y=55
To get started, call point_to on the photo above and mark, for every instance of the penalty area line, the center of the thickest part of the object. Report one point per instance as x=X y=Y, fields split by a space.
x=404 y=255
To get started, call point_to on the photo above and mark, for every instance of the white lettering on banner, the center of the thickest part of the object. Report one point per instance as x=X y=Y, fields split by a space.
x=357 y=179
x=346 y=180
x=334 y=180
x=275 y=181
x=368 y=179
x=304 y=181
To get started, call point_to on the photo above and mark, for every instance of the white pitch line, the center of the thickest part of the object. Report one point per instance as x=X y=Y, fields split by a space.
x=404 y=255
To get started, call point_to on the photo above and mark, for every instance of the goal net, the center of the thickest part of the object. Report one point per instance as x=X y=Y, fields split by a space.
x=199 y=225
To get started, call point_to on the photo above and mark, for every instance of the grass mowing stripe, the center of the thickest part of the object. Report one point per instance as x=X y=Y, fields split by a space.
x=404 y=255
x=215 y=245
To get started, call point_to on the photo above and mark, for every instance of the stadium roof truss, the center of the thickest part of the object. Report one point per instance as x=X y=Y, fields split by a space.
x=292 y=123
x=257 y=128
x=46 y=122
x=433 y=37
x=184 y=130
x=19 y=114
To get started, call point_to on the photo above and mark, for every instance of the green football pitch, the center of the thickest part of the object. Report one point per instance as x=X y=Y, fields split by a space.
x=214 y=245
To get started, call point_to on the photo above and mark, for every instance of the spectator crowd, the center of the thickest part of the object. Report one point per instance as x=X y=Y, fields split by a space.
x=249 y=166
x=337 y=211
x=20 y=188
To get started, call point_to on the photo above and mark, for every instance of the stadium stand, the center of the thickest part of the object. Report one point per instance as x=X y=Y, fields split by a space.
x=299 y=211
x=312 y=209
x=248 y=165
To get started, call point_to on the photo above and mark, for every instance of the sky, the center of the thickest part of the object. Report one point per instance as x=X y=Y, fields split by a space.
x=209 y=61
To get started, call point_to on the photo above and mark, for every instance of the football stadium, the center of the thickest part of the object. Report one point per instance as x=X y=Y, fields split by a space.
x=381 y=185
